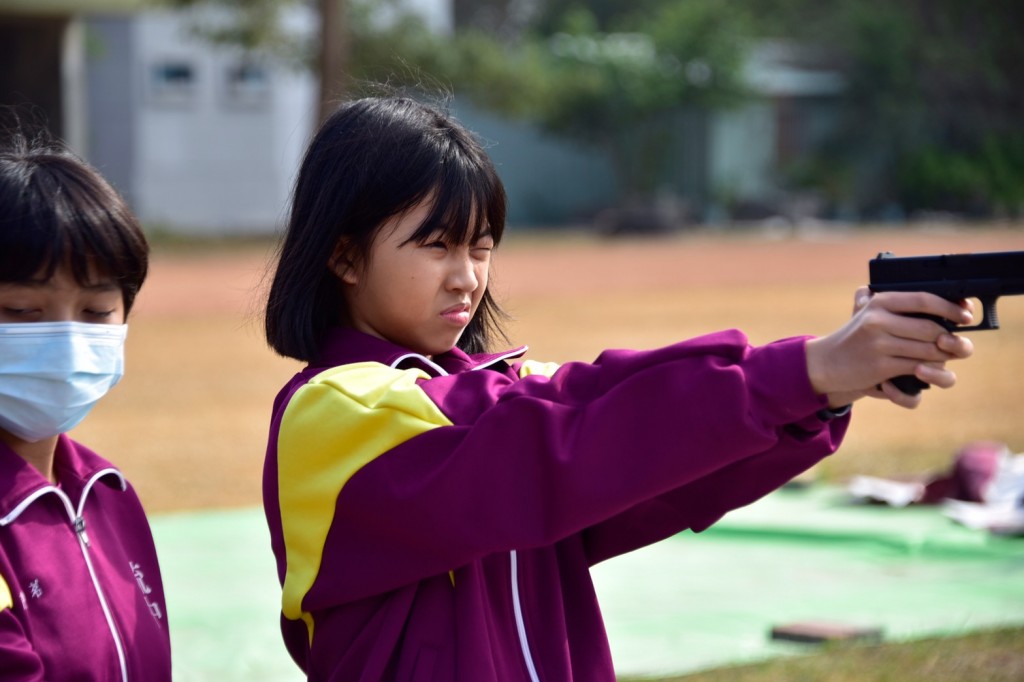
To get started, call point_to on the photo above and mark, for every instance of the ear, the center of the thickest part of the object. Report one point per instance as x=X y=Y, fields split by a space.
x=340 y=264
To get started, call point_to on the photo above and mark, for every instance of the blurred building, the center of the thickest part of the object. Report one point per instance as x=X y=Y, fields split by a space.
x=42 y=53
x=199 y=139
x=207 y=139
x=750 y=149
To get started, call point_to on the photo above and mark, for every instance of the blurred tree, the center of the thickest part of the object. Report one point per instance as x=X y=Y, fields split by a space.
x=552 y=15
x=249 y=24
x=333 y=54
x=622 y=91
x=619 y=92
x=935 y=96
x=506 y=19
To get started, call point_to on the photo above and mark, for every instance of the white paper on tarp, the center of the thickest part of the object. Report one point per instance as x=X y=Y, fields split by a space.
x=893 y=493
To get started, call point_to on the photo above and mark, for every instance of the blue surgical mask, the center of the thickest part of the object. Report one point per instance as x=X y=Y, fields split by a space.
x=52 y=373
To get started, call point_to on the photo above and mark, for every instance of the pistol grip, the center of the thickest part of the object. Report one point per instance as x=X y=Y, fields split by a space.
x=909 y=384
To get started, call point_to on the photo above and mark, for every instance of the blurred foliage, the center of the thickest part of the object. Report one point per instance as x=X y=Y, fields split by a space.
x=251 y=25
x=987 y=179
x=619 y=90
x=403 y=52
x=934 y=102
x=613 y=90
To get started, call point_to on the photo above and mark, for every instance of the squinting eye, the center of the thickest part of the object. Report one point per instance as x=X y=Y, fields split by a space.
x=99 y=313
x=436 y=245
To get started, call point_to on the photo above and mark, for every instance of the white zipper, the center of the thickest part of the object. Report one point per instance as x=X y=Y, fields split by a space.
x=514 y=353
x=84 y=543
x=422 y=358
x=520 y=623
x=78 y=523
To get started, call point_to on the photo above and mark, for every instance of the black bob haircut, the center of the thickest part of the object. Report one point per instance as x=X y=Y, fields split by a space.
x=56 y=210
x=373 y=159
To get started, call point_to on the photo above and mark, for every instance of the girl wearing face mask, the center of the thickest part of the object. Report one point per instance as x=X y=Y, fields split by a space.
x=80 y=590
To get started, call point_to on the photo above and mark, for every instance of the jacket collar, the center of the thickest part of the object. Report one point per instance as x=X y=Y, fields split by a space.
x=76 y=466
x=344 y=345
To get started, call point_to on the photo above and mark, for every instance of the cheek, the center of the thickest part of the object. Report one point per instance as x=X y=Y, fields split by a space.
x=483 y=273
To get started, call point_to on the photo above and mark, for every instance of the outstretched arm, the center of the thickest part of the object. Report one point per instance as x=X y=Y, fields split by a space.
x=387 y=477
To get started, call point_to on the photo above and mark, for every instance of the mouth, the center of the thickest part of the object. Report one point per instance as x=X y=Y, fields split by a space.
x=457 y=314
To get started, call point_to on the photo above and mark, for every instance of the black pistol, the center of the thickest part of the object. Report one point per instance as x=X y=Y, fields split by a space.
x=955 y=277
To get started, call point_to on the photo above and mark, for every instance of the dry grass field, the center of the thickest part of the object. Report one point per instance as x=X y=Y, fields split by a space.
x=188 y=422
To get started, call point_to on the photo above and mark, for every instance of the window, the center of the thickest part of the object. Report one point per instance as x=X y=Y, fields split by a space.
x=171 y=82
x=247 y=85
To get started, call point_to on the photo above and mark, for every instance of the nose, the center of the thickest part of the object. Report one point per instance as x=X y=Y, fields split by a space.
x=462 y=275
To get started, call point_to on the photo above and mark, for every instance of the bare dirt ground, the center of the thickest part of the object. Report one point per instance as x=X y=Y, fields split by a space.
x=188 y=423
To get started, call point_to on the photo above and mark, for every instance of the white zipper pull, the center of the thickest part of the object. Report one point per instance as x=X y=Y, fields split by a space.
x=80 y=529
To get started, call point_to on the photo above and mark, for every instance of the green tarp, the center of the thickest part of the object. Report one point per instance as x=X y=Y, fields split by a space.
x=704 y=600
x=691 y=602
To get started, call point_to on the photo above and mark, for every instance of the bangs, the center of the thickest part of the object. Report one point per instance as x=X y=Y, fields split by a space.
x=27 y=249
x=63 y=216
x=467 y=202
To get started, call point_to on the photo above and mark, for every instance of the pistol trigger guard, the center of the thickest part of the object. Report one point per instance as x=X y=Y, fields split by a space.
x=989 y=320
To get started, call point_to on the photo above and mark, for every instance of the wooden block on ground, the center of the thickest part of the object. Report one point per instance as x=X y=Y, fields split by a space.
x=817 y=632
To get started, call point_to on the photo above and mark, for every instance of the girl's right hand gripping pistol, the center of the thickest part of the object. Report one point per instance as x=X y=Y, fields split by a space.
x=955 y=277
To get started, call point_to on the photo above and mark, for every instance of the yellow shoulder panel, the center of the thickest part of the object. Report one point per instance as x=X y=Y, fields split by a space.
x=533 y=367
x=6 y=601
x=341 y=420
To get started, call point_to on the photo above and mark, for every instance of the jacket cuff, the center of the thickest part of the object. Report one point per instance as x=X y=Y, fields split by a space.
x=779 y=382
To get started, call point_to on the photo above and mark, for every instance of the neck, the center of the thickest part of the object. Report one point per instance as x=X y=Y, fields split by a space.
x=39 y=454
